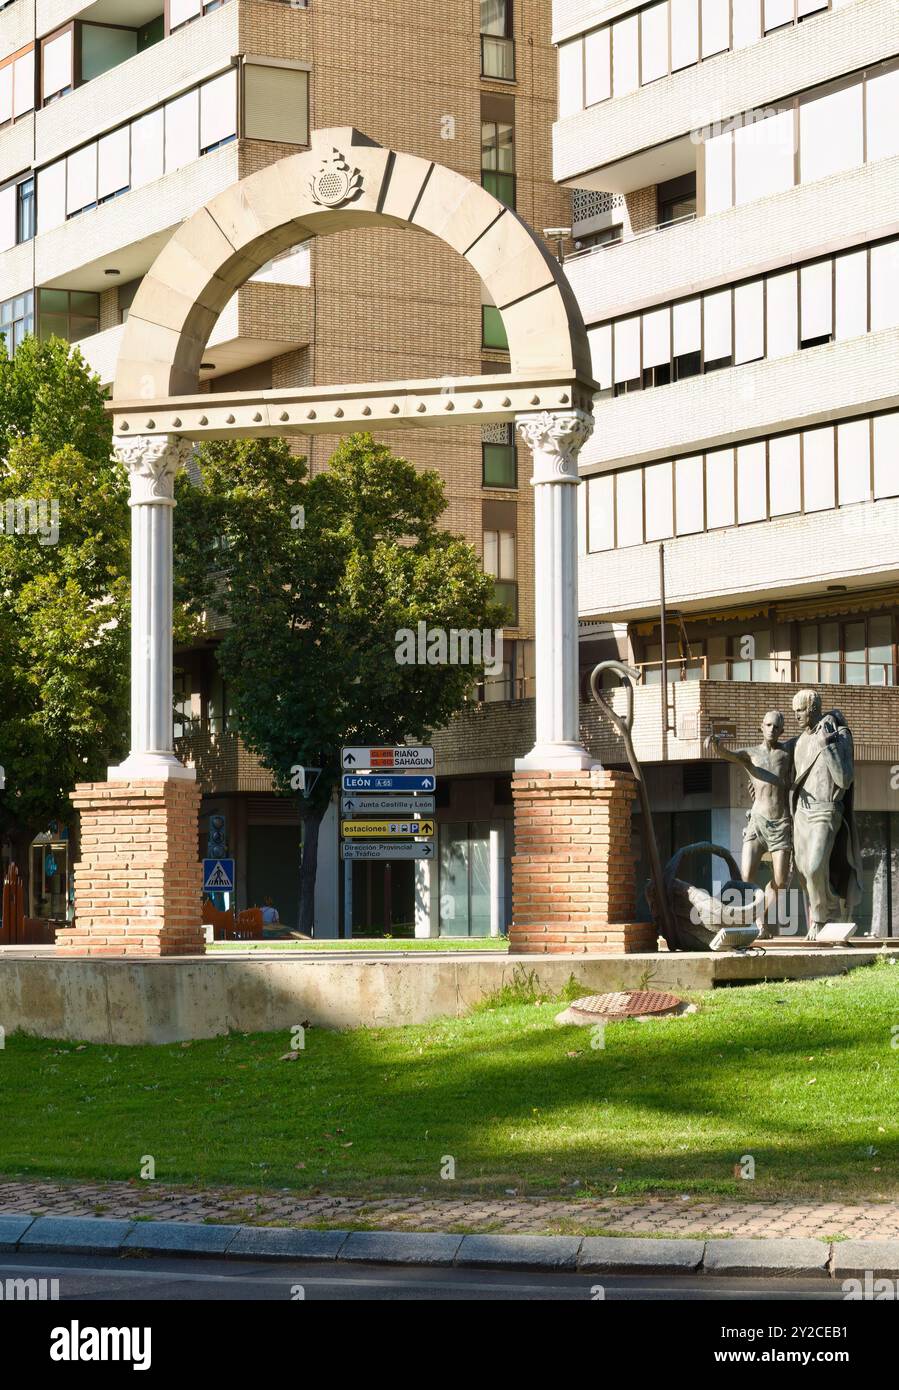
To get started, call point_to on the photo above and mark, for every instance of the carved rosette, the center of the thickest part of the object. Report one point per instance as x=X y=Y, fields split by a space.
x=336 y=182
x=555 y=439
x=153 y=462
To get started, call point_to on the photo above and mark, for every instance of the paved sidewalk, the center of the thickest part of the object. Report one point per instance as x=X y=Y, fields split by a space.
x=667 y=1216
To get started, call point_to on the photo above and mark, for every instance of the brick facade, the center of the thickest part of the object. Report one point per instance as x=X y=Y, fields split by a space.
x=138 y=883
x=573 y=867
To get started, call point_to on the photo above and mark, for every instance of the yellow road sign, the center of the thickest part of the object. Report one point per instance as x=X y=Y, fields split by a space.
x=387 y=829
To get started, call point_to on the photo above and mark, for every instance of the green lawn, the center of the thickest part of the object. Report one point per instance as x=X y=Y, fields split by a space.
x=391 y=943
x=801 y=1076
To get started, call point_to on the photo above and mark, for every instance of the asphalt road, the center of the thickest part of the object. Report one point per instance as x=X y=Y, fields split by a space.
x=90 y=1278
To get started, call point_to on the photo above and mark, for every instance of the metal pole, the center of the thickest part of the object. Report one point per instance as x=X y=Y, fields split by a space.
x=664 y=638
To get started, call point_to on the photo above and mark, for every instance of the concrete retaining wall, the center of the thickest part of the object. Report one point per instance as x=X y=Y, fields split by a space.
x=163 y=1001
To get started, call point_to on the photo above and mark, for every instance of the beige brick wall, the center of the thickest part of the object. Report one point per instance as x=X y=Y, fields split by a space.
x=390 y=304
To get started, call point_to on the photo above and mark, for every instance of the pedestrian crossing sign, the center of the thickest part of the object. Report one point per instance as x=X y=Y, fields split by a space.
x=218 y=875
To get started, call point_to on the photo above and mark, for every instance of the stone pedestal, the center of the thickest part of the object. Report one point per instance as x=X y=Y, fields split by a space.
x=573 y=868
x=138 y=885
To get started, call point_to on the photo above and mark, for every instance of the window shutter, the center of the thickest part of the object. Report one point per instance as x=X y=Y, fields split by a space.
x=277 y=104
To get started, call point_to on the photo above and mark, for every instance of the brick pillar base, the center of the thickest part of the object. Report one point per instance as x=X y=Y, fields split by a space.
x=138 y=885
x=573 y=869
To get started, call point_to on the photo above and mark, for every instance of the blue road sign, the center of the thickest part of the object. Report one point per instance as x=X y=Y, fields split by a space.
x=218 y=875
x=388 y=782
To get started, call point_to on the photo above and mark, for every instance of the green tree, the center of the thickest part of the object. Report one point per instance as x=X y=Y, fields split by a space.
x=64 y=627
x=314 y=578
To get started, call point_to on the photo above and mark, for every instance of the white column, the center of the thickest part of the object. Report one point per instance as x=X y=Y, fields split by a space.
x=555 y=439
x=153 y=461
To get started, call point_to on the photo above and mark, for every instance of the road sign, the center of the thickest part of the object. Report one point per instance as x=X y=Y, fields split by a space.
x=373 y=829
x=218 y=875
x=387 y=849
x=388 y=805
x=388 y=782
x=406 y=758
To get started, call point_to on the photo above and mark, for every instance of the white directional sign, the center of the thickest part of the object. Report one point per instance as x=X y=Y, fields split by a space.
x=406 y=758
x=372 y=829
x=387 y=849
x=388 y=805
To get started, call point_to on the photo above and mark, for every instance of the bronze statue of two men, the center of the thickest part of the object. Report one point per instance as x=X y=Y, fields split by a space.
x=802 y=810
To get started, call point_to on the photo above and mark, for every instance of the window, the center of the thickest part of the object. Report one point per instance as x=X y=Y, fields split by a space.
x=58 y=64
x=181 y=12
x=17 y=85
x=625 y=56
x=598 y=66
x=16 y=320
x=816 y=304
x=17 y=213
x=69 y=314
x=653 y=43
x=785 y=474
x=26 y=218
x=749 y=321
x=159 y=142
x=497 y=46
x=499 y=561
x=276 y=103
x=830 y=132
x=601 y=512
x=493 y=330
x=677 y=199
x=498 y=456
x=715 y=27
x=855 y=461
x=629 y=507
x=689 y=496
x=818 y=471
x=854 y=651
x=498 y=160
x=684 y=33
x=667 y=36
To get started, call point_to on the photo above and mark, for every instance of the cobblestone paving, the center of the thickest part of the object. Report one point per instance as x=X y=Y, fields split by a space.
x=669 y=1216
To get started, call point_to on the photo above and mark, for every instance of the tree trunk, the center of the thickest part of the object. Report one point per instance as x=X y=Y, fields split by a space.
x=312 y=819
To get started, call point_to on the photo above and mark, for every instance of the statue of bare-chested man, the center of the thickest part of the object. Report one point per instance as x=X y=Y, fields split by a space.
x=768 y=823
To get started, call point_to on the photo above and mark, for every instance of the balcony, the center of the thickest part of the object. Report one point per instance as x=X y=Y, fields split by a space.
x=696 y=706
x=758 y=562
x=830 y=382
x=239 y=338
x=632 y=141
x=773 y=232
x=180 y=61
x=129 y=232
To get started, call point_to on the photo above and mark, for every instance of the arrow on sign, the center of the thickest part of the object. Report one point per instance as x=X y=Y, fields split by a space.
x=349 y=760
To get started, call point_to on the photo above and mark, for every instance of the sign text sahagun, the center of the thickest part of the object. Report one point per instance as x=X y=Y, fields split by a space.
x=406 y=757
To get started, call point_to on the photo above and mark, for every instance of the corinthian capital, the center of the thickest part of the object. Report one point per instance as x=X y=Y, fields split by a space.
x=154 y=462
x=555 y=438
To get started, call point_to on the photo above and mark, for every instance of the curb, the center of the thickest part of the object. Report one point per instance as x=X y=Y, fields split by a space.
x=92 y=1235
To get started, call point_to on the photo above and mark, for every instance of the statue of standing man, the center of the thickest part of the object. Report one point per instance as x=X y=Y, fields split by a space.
x=768 y=819
x=828 y=857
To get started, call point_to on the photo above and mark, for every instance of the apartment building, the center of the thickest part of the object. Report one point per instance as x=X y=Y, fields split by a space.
x=735 y=175
x=118 y=119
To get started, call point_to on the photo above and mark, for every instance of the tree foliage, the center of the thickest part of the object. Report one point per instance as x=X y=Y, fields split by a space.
x=314 y=577
x=63 y=599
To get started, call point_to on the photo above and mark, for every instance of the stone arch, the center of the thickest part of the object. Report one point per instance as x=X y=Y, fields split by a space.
x=344 y=180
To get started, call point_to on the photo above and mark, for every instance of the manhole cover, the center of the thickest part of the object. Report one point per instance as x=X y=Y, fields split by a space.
x=626 y=1004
